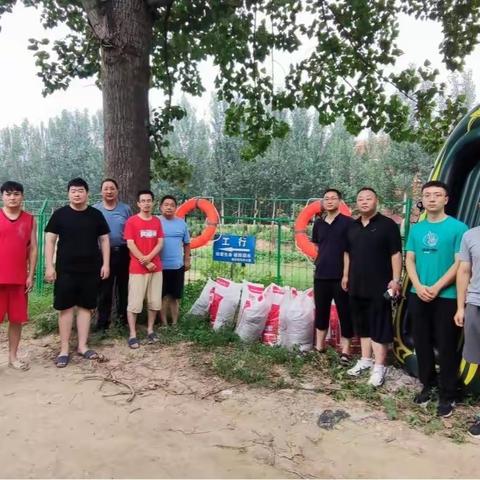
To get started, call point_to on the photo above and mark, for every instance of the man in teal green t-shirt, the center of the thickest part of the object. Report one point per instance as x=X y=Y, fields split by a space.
x=432 y=250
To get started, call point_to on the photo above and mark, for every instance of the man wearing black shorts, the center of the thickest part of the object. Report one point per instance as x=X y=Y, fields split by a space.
x=330 y=235
x=373 y=265
x=79 y=265
x=175 y=258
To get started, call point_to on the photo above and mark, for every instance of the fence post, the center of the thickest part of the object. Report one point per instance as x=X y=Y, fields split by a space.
x=279 y=252
x=41 y=249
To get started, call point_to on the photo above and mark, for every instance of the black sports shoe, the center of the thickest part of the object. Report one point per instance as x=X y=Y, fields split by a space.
x=445 y=408
x=423 y=397
x=474 y=430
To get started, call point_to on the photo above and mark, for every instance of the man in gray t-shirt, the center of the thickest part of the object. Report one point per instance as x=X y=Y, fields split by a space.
x=468 y=301
x=116 y=214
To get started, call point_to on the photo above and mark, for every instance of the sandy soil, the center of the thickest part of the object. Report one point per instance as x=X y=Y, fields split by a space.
x=69 y=423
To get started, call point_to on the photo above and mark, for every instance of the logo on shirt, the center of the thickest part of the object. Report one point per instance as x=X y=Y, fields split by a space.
x=148 y=233
x=430 y=242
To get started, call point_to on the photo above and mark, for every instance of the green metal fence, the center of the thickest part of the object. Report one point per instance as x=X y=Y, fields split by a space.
x=271 y=221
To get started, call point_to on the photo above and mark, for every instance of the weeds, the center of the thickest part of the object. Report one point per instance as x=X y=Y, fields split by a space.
x=223 y=354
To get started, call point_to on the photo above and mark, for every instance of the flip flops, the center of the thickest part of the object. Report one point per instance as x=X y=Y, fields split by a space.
x=152 y=338
x=62 y=361
x=92 y=355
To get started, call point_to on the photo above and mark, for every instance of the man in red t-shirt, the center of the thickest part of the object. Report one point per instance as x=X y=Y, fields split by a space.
x=144 y=236
x=18 y=257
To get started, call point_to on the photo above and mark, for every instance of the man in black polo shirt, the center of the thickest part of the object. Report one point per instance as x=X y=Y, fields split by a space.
x=372 y=266
x=330 y=235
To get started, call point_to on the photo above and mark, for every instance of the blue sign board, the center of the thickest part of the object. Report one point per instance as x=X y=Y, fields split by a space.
x=234 y=248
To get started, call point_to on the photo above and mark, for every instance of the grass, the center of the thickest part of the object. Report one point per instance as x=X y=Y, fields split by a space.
x=222 y=353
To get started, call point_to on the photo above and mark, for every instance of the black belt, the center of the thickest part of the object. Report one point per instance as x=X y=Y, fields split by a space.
x=118 y=249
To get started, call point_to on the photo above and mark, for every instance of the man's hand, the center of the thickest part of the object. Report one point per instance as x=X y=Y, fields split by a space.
x=151 y=267
x=459 y=317
x=187 y=264
x=433 y=291
x=29 y=284
x=50 y=274
x=424 y=294
x=105 y=272
x=344 y=283
x=395 y=286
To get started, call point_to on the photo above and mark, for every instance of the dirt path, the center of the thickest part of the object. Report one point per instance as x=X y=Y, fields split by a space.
x=59 y=423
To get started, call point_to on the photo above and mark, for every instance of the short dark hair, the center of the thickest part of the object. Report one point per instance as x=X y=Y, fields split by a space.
x=435 y=183
x=11 y=186
x=168 y=197
x=105 y=180
x=368 y=189
x=77 y=182
x=145 y=192
x=334 y=190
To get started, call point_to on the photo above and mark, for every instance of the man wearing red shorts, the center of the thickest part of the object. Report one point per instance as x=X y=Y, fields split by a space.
x=18 y=257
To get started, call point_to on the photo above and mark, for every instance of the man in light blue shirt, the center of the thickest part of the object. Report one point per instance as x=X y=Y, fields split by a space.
x=175 y=258
x=116 y=214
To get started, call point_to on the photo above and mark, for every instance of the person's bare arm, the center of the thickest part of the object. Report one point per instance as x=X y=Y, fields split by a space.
x=105 y=248
x=446 y=279
x=135 y=251
x=186 y=256
x=422 y=292
x=464 y=274
x=32 y=257
x=155 y=251
x=50 y=242
x=346 y=268
x=394 y=284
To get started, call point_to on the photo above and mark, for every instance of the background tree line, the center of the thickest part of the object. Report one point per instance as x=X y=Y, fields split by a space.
x=309 y=159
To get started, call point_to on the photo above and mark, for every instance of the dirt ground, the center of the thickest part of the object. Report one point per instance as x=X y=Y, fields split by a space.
x=181 y=423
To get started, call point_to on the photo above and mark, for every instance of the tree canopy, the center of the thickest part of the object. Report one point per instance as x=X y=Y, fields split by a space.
x=348 y=71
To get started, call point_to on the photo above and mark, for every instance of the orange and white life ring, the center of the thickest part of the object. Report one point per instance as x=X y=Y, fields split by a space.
x=212 y=220
x=301 y=238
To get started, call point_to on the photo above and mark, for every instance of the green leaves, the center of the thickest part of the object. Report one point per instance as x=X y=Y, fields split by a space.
x=343 y=62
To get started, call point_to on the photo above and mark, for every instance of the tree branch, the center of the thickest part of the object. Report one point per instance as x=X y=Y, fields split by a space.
x=97 y=19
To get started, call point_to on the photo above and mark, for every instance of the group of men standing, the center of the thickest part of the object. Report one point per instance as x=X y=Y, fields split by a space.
x=359 y=265
x=90 y=252
x=92 y=255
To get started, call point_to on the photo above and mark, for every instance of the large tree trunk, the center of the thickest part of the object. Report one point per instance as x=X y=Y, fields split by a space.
x=125 y=28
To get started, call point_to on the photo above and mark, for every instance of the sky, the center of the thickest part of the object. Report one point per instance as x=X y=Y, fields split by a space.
x=20 y=91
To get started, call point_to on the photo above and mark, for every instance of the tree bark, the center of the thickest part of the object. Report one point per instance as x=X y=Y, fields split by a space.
x=125 y=28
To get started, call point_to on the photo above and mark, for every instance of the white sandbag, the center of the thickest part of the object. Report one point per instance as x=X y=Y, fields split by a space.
x=270 y=335
x=224 y=299
x=253 y=317
x=297 y=317
x=200 y=307
x=250 y=290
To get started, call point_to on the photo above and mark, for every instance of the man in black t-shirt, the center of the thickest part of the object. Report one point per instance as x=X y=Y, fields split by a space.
x=373 y=265
x=330 y=235
x=79 y=266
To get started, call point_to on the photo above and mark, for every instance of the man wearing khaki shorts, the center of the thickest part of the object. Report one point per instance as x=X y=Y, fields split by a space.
x=144 y=236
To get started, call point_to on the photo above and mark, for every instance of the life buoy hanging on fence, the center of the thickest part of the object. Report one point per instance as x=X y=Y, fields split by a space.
x=212 y=220
x=301 y=238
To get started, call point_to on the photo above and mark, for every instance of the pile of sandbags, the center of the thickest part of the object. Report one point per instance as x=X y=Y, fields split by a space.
x=275 y=315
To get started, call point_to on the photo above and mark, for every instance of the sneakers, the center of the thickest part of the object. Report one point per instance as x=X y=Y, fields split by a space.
x=445 y=408
x=361 y=366
x=422 y=398
x=474 y=430
x=377 y=378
